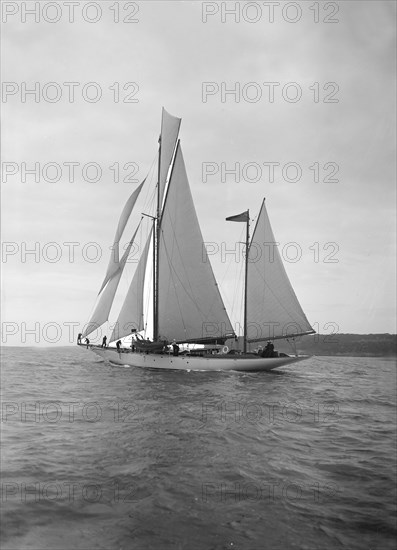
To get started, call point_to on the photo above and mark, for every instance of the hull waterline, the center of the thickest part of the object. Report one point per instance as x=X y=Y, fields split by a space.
x=188 y=362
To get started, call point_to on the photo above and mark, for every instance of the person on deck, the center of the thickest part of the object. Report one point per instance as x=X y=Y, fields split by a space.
x=87 y=342
x=133 y=331
x=79 y=336
x=118 y=345
x=268 y=351
x=104 y=342
x=175 y=348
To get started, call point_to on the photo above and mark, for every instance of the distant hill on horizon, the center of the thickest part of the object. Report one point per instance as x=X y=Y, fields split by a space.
x=354 y=345
x=346 y=344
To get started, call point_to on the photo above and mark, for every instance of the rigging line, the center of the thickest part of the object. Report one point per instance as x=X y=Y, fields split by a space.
x=147 y=307
x=293 y=346
x=221 y=286
x=148 y=274
x=149 y=199
x=126 y=275
x=150 y=177
x=238 y=297
x=124 y=270
x=237 y=284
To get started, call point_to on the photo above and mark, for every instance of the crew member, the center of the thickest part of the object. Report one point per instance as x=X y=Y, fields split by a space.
x=175 y=348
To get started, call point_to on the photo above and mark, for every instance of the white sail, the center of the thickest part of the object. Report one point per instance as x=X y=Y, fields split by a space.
x=169 y=134
x=273 y=310
x=187 y=305
x=105 y=301
x=131 y=314
x=190 y=307
x=115 y=254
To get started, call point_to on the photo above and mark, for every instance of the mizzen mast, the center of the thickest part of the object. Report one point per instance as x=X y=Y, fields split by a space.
x=247 y=238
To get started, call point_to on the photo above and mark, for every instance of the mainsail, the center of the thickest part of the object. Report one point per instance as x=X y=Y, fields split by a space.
x=105 y=301
x=190 y=307
x=169 y=134
x=273 y=310
x=131 y=314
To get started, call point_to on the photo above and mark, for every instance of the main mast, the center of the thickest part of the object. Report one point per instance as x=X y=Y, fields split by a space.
x=167 y=142
x=247 y=237
x=156 y=240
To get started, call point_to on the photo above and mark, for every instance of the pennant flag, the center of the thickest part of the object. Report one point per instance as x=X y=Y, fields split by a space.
x=243 y=217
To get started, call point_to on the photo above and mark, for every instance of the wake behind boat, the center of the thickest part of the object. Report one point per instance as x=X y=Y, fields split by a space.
x=188 y=311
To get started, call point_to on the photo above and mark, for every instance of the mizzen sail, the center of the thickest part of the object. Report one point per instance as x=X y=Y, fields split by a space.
x=273 y=310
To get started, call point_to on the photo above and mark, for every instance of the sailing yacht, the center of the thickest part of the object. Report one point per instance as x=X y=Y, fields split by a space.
x=188 y=312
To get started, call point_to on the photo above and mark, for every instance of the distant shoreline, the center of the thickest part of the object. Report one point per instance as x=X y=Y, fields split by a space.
x=377 y=345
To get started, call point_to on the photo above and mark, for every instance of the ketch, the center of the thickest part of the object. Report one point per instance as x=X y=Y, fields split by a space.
x=190 y=324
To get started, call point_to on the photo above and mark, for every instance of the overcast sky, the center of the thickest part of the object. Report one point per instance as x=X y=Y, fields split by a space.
x=332 y=130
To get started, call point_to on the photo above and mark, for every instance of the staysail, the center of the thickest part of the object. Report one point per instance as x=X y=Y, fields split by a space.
x=131 y=314
x=169 y=134
x=190 y=307
x=273 y=310
x=105 y=301
x=115 y=255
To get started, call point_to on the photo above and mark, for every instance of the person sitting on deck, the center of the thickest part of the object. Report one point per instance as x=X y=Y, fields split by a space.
x=269 y=350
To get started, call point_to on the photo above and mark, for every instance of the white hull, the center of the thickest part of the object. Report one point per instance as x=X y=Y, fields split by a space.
x=188 y=362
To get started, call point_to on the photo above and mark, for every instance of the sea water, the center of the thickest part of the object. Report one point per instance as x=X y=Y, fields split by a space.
x=109 y=457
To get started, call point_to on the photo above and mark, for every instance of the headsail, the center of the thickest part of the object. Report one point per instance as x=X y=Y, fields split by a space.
x=131 y=314
x=190 y=307
x=105 y=301
x=115 y=254
x=169 y=134
x=273 y=310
